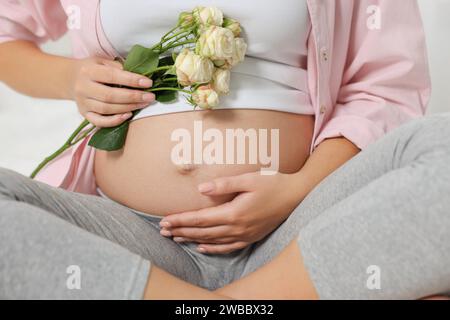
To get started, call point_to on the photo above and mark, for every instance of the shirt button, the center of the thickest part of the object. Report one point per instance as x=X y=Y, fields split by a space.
x=323 y=109
x=324 y=55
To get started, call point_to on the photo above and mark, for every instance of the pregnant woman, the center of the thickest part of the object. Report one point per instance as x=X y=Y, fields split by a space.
x=331 y=76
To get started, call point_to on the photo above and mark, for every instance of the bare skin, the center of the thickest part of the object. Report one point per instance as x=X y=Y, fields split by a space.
x=265 y=283
x=250 y=215
x=84 y=82
x=23 y=66
x=128 y=176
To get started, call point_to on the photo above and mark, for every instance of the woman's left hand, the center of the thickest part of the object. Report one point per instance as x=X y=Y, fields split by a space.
x=262 y=203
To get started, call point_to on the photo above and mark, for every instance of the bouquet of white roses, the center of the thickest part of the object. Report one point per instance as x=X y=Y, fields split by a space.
x=210 y=45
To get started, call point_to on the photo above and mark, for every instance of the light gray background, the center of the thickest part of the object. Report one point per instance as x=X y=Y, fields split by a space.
x=30 y=129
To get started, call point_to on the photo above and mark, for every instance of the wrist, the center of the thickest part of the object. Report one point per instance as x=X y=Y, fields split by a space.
x=298 y=185
x=69 y=71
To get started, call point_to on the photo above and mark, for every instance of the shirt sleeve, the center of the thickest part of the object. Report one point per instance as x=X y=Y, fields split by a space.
x=33 y=20
x=386 y=79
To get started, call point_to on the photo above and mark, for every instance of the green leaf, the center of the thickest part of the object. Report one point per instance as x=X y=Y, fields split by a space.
x=166 y=96
x=110 y=139
x=164 y=81
x=170 y=83
x=141 y=60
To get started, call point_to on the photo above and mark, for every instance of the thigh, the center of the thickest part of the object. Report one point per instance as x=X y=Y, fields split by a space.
x=45 y=257
x=418 y=140
x=388 y=240
x=104 y=218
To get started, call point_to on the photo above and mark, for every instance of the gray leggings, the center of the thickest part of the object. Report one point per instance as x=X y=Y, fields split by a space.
x=376 y=228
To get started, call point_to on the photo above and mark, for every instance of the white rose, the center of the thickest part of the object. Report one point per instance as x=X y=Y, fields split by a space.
x=192 y=68
x=221 y=81
x=239 y=51
x=205 y=97
x=215 y=43
x=208 y=16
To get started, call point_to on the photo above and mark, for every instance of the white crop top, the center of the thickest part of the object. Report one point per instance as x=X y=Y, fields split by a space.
x=273 y=75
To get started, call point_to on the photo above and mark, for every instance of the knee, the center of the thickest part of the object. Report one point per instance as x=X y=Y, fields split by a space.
x=428 y=134
x=418 y=139
x=436 y=128
x=9 y=182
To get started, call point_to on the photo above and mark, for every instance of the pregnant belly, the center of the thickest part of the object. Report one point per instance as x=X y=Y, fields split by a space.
x=165 y=157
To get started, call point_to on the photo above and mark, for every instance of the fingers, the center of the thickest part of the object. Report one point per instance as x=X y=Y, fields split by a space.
x=221 y=248
x=114 y=75
x=104 y=108
x=207 y=217
x=200 y=233
x=213 y=241
x=107 y=94
x=111 y=63
x=104 y=105
x=227 y=185
x=215 y=246
x=107 y=121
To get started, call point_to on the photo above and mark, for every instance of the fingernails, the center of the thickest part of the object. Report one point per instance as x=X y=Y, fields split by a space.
x=164 y=224
x=179 y=239
x=126 y=115
x=148 y=97
x=145 y=82
x=201 y=249
x=165 y=233
x=206 y=187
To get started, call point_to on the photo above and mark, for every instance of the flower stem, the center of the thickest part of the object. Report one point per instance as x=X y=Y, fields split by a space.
x=163 y=39
x=174 y=42
x=169 y=32
x=162 y=68
x=147 y=74
x=167 y=89
x=184 y=32
x=170 y=79
x=63 y=148
x=179 y=44
x=187 y=31
x=84 y=135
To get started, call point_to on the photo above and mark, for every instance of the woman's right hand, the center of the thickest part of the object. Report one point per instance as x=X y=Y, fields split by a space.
x=103 y=105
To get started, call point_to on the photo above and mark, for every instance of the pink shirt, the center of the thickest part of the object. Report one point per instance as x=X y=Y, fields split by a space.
x=367 y=67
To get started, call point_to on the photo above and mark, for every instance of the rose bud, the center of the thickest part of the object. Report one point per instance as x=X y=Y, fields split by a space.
x=186 y=20
x=205 y=97
x=232 y=25
x=221 y=81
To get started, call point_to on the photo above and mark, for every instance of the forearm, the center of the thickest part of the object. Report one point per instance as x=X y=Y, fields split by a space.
x=326 y=158
x=25 y=68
